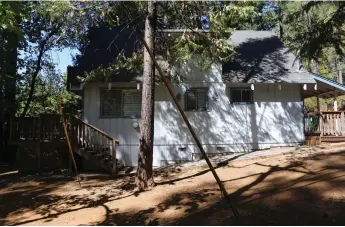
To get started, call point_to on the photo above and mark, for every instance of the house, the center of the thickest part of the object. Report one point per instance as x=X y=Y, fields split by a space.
x=253 y=102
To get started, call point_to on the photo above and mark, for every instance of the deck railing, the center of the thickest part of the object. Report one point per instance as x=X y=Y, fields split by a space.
x=333 y=123
x=43 y=127
x=91 y=138
x=327 y=123
x=48 y=128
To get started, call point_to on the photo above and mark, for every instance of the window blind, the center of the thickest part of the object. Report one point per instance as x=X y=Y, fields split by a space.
x=131 y=103
x=120 y=103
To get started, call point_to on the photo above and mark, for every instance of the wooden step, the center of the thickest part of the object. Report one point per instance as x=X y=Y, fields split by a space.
x=331 y=139
x=90 y=156
x=98 y=155
x=125 y=169
x=102 y=159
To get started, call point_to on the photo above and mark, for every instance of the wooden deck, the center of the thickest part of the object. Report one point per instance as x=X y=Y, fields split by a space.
x=329 y=124
x=43 y=136
x=332 y=139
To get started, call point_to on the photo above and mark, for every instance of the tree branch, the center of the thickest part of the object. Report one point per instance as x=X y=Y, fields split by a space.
x=42 y=50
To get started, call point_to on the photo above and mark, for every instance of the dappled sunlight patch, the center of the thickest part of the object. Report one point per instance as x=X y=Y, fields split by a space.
x=89 y=215
x=22 y=216
x=285 y=190
x=168 y=209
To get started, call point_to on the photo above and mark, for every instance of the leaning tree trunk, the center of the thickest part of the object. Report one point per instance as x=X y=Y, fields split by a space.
x=42 y=50
x=144 y=177
x=33 y=81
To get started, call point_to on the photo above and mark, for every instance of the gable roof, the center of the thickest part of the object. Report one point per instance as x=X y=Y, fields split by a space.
x=262 y=58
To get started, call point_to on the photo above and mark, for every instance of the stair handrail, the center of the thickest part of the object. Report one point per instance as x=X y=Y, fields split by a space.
x=97 y=129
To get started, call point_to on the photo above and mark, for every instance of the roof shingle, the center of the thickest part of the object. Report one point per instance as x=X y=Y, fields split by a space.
x=262 y=58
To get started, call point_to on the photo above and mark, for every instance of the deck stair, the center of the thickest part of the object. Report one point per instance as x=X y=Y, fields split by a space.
x=88 y=141
x=95 y=145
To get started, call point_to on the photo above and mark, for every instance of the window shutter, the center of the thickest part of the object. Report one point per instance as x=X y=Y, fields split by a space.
x=131 y=103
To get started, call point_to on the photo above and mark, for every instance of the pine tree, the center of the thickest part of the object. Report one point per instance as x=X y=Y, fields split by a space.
x=144 y=177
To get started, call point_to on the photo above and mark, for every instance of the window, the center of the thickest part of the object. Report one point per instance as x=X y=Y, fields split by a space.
x=196 y=99
x=241 y=96
x=120 y=103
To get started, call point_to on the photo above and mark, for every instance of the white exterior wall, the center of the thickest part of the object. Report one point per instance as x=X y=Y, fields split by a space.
x=275 y=119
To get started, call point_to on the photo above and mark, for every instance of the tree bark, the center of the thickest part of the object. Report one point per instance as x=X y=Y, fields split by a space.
x=315 y=66
x=10 y=81
x=2 y=101
x=8 y=78
x=144 y=176
x=11 y=73
x=339 y=75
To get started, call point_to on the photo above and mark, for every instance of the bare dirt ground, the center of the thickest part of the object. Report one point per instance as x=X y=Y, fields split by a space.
x=306 y=187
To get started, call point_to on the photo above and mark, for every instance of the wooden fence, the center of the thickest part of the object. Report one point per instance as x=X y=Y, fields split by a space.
x=45 y=127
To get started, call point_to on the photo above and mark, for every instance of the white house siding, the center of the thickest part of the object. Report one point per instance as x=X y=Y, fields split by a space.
x=275 y=119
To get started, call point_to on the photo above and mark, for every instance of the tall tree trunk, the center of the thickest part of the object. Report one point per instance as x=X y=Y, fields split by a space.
x=8 y=87
x=2 y=144
x=340 y=76
x=280 y=19
x=315 y=66
x=2 y=100
x=338 y=73
x=11 y=71
x=144 y=176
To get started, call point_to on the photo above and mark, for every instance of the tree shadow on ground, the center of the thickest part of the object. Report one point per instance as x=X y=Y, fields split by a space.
x=299 y=191
x=38 y=195
x=188 y=202
x=269 y=199
x=167 y=171
x=301 y=201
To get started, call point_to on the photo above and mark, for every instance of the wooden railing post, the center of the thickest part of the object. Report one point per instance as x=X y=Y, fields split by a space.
x=336 y=128
x=113 y=155
x=82 y=134
x=342 y=124
x=39 y=144
x=321 y=125
x=11 y=129
x=74 y=140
